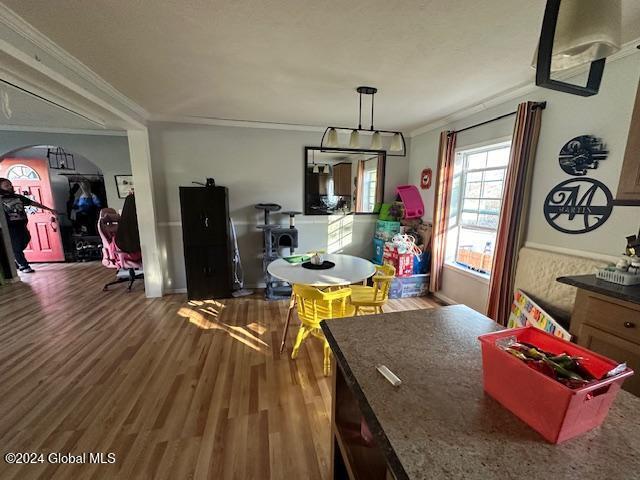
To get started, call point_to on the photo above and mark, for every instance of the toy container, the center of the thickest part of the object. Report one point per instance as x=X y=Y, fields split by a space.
x=385 y=230
x=378 y=251
x=412 y=200
x=551 y=408
x=412 y=286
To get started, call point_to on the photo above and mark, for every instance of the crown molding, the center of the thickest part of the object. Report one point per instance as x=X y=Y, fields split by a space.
x=68 y=131
x=223 y=122
x=629 y=48
x=18 y=25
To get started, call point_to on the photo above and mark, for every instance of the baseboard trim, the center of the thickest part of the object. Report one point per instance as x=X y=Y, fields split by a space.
x=172 y=291
x=444 y=298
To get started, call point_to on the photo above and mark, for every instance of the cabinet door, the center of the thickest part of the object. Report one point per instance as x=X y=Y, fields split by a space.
x=205 y=215
x=615 y=348
x=208 y=272
x=629 y=186
x=342 y=179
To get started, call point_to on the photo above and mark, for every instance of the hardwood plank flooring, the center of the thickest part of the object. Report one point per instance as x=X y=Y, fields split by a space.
x=175 y=389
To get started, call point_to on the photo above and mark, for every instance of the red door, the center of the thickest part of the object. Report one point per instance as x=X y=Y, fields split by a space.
x=32 y=176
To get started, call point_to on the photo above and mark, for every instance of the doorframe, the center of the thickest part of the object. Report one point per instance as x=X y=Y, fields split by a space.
x=32 y=61
x=141 y=168
x=24 y=161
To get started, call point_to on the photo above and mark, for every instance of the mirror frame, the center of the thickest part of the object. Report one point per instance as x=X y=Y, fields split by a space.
x=345 y=150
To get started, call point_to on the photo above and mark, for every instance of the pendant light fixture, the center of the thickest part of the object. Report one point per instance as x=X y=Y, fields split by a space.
x=376 y=141
x=574 y=33
x=354 y=139
x=332 y=138
x=59 y=159
x=315 y=168
x=396 y=143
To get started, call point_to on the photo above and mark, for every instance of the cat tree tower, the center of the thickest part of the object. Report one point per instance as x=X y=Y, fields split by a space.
x=275 y=239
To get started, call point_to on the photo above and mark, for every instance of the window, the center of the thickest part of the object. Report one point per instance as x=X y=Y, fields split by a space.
x=370 y=184
x=476 y=199
x=22 y=172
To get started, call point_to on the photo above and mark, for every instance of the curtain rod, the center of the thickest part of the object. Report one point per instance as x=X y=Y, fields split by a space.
x=541 y=105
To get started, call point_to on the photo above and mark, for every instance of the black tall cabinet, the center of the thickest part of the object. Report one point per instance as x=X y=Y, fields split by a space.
x=207 y=242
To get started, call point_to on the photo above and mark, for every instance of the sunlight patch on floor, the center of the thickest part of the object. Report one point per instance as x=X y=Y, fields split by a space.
x=206 y=318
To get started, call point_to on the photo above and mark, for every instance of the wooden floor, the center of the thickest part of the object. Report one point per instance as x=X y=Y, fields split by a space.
x=175 y=389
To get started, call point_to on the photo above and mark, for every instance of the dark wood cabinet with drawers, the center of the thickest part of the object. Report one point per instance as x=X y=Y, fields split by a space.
x=207 y=242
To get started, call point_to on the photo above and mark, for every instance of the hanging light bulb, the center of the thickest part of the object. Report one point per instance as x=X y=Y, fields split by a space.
x=354 y=139
x=332 y=138
x=376 y=141
x=316 y=169
x=396 y=143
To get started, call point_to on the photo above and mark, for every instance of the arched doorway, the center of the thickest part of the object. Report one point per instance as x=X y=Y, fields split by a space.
x=68 y=183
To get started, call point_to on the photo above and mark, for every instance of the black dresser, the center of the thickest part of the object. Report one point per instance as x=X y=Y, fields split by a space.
x=207 y=243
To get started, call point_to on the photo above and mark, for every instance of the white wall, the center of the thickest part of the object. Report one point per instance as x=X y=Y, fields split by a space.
x=258 y=166
x=606 y=115
x=109 y=153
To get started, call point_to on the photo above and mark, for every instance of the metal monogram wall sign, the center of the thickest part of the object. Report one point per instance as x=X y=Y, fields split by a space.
x=581 y=154
x=578 y=205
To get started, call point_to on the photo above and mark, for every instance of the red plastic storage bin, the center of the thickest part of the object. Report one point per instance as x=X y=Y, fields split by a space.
x=554 y=410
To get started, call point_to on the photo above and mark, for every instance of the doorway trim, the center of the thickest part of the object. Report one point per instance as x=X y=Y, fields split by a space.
x=40 y=65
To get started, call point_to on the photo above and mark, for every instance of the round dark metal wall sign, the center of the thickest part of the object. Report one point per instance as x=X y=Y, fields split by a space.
x=578 y=205
x=581 y=154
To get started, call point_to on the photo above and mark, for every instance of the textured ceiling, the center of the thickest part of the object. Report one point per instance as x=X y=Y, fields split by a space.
x=298 y=61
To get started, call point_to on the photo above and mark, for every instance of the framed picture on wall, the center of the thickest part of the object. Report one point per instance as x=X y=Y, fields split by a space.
x=124 y=184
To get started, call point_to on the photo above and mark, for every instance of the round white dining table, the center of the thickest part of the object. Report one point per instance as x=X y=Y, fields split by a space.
x=347 y=270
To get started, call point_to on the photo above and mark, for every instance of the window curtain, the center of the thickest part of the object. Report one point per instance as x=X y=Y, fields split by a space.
x=442 y=202
x=360 y=187
x=515 y=205
x=380 y=181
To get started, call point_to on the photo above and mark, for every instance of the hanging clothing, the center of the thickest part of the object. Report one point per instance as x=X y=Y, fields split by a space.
x=87 y=204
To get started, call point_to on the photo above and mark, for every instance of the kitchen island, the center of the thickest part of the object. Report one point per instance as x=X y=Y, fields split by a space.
x=439 y=423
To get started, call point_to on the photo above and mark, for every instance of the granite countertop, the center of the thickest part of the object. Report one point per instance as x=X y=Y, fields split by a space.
x=590 y=282
x=439 y=424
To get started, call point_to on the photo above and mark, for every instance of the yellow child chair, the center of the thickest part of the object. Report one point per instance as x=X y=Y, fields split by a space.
x=375 y=297
x=314 y=306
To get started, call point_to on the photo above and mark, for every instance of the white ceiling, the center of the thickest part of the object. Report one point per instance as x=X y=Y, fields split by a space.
x=298 y=61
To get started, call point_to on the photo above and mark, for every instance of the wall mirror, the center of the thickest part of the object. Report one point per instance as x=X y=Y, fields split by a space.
x=343 y=181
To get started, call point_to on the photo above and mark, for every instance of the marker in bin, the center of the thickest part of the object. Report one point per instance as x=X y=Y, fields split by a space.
x=389 y=375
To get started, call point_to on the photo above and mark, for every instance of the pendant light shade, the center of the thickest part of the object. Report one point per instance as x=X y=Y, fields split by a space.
x=316 y=169
x=587 y=30
x=354 y=139
x=396 y=143
x=376 y=141
x=332 y=138
x=325 y=169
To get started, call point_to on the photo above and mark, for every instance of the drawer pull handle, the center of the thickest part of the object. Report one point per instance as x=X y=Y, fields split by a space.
x=629 y=325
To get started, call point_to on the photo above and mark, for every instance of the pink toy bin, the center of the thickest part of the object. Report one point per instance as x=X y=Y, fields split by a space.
x=410 y=196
